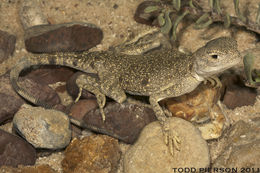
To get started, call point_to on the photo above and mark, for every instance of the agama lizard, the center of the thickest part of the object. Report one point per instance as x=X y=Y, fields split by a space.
x=159 y=75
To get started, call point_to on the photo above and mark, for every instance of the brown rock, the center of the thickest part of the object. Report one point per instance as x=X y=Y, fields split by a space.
x=122 y=120
x=197 y=103
x=82 y=107
x=28 y=169
x=10 y=101
x=200 y=107
x=15 y=151
x=9 y=106
x=73 y=90
x=51 y=74
x=237 y=96
x=40 y=90
x=7 y=45
x=66 y=37
x=97 y=153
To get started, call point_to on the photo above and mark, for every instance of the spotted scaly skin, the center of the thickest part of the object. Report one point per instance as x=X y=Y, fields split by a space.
x=159 y=75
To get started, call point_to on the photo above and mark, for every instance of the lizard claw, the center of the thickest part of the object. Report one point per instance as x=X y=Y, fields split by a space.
x=79 y=94
x=171 y=137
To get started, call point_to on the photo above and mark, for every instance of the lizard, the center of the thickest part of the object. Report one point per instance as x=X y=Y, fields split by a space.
x=158 y=75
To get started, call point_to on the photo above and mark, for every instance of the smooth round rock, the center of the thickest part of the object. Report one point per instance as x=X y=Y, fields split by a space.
x=15 y=151
x=96 y=153
x=150 y=154
x=43 y=128
x=66 y=37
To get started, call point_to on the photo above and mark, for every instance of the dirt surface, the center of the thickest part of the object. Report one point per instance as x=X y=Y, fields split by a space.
x=114 y=17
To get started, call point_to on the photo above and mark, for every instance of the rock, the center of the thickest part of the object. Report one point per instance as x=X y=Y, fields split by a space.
x=73 y=90
x=122 y=120
x=237 y=96
x=10 y=101
x=200 y=107
x=15 y=151
x=97 y=153
x=28 y=169
x=7 y=45
x=51 y=74
x=68 y=37
x=151 y=154
x=82 y=107
x=242 y=156
x=194 y=105
x=40 y=90
x=31 y=14
x=241 y=148
x=43 y=128
x=9 y=106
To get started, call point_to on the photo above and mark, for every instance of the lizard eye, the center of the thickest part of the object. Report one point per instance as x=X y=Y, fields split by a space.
x=214 y=56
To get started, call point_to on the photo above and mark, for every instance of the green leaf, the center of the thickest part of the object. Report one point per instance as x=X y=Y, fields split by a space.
x=150 y=9
x=168 y=23
x=248 y=66
x=161 y=19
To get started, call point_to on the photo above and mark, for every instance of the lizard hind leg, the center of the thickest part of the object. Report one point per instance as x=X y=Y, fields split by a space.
x=92 y=84
x=170 y=136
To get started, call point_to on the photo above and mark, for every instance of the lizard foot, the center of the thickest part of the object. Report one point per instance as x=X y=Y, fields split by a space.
x=214 y=81
x=171 y=137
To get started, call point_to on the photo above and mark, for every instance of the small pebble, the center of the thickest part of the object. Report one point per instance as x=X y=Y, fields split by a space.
x=150 y=154
x=96 y=153
x=15 y=151
x=43 y=128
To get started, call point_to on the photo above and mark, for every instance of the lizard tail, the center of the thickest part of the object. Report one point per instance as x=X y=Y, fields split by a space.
x=14 y=75
x=73 y=60
x=25 y=63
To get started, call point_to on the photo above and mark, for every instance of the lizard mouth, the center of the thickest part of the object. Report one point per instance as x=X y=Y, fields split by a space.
x=213 y=70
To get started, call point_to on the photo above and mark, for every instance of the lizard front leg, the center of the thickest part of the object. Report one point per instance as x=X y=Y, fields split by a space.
x=92 y=84
x=171 y=137
x=102 y=86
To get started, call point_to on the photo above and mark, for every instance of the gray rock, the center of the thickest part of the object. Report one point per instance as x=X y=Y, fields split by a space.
x=15 y=151
x=242 y=147
x=150 y=154
x=43 y=128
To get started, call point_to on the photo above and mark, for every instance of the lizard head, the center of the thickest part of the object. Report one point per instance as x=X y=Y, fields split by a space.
x=216 y=56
